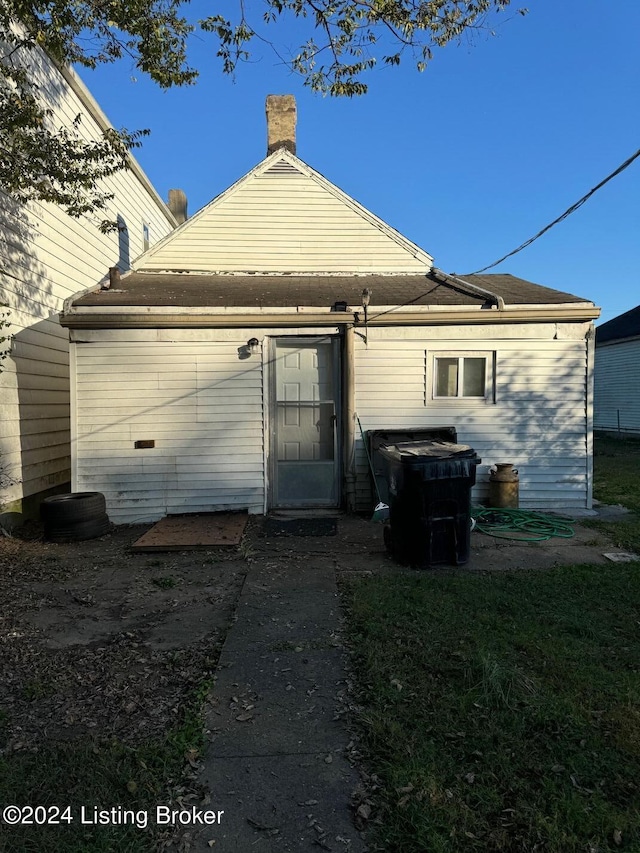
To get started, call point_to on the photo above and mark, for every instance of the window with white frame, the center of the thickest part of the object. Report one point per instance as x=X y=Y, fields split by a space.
x=463 y=375
x=145 y=236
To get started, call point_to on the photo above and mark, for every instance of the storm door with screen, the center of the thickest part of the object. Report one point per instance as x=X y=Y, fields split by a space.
x=305 y=429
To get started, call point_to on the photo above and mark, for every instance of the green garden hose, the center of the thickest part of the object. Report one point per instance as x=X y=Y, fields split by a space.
x=521 y=524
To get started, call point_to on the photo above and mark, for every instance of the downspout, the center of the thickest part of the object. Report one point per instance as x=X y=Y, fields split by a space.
x=497 y=300
x=73 y=412
x=349 y=385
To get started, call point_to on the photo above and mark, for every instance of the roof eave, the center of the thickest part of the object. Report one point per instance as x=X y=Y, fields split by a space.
x=120 y=317
x=621 y=340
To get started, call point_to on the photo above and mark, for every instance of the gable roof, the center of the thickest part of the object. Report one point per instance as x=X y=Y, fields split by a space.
x=284 y=246
x=624 y=326
x=284 y=217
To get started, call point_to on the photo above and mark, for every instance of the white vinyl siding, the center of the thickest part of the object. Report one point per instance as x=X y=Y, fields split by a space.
x=617 y=386
x=274 y=222
x=538 y=422
x=201 y=405
x=201 y=400
x=46 y=257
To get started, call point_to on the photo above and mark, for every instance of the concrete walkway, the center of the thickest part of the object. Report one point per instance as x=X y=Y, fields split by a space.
x=277 y=761
x=277 y=758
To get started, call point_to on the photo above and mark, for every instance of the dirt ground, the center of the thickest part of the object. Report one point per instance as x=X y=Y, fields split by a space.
x=97 y=639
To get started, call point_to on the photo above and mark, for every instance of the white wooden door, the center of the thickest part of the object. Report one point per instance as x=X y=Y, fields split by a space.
x=304 y=447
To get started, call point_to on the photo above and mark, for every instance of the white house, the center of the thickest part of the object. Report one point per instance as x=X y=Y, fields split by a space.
x=45 y=256
x=617 y=374
x=258 y=330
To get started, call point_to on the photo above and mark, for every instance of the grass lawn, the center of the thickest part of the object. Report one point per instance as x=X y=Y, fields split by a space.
x=101 y=774
x=617 y=481
x=501 y=712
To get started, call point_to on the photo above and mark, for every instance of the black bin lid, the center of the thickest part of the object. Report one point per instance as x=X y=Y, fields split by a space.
x=379 y=437
x=413 y=452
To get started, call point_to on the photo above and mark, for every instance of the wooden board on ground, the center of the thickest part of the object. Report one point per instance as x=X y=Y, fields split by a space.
x=184 y=532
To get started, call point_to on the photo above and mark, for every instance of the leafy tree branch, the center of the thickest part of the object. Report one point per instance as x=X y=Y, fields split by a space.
x=346 y=39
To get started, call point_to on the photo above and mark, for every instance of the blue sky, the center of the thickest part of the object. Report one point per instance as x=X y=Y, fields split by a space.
x=469 y=159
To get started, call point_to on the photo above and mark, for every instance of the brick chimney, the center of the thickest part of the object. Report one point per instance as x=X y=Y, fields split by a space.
x=281 y=123
x=178 y=205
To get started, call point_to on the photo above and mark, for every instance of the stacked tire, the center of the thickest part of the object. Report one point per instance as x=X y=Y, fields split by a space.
x=74 y=517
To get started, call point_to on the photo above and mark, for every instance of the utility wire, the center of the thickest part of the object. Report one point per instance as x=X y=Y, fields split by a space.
x=567 y=212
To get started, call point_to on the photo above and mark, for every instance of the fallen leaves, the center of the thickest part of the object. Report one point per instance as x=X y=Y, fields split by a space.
x=269 y=831
x=362 y=803
x=244 y=704
x=364 y=811
x=110 y=690
x=85 y=651
x=191 y=757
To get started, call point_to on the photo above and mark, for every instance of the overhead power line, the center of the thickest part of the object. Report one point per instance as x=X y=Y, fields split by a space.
x=567 y=212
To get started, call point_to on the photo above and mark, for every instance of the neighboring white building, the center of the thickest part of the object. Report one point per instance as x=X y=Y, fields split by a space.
x=252 y=361
x=45 y=256
x=617 y=374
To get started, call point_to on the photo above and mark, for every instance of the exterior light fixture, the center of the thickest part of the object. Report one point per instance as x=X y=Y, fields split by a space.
x=253 y=345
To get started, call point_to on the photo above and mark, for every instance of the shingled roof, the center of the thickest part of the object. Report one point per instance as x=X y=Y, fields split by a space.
x=625 y=326
x=191 y=290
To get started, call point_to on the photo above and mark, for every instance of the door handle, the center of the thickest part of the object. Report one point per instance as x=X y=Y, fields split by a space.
x=333 y=420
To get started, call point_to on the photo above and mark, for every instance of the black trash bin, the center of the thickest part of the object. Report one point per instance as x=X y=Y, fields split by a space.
x=429 y=501
x=377 y=438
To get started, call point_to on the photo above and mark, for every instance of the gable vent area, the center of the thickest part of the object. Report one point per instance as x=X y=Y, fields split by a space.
x=282 y=167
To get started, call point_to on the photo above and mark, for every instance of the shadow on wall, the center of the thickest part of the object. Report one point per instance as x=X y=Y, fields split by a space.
x=44 y=258
x=34 y=383
x=124 y=260
x=34 y=380
x=538 y=422
x=207 y=452
x=156 y=495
